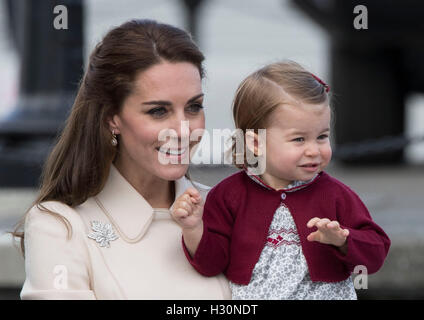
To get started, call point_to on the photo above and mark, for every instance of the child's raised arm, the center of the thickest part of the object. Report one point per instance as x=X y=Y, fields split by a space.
x=207 y=229
x=187 y=212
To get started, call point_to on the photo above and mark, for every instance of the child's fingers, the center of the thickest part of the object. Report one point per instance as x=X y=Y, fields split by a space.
x=191 y=196
x=325 y=225
x=318 y=222
x=185 y=197
x=345 y=232
x=314 y=236
x=334 y=225
x=322 y=224
x=196 y=200
x=185 y=204
x=194 y=194
x=328 y=231
x=184 y=201
x=311 y=223
x=180 y=213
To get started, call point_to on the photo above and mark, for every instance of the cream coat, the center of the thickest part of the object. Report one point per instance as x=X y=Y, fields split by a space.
x=153 y=268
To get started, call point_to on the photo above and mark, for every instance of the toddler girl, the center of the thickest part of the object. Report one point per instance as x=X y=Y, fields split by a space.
x=293 y=231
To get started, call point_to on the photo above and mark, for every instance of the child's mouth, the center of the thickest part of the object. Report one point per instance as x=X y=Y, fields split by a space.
x=310 y=166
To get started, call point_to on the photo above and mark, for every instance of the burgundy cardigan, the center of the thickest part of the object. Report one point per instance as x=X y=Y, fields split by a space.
x=238 y=212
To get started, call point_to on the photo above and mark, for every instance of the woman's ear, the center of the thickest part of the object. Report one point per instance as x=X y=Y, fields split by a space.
x=114 y=123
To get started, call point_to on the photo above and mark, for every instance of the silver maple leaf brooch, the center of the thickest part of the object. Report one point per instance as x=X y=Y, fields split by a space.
x=103 y=233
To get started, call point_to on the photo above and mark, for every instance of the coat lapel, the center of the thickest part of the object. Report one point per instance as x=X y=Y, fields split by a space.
x=133 y=215
x=130 y=211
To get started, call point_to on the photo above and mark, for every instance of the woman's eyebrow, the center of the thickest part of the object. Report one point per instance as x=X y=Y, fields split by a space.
x=158 y=102
x=168 y=103
x=195 y=98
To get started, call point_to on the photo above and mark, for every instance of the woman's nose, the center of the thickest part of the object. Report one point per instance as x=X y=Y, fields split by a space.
x=181 y=125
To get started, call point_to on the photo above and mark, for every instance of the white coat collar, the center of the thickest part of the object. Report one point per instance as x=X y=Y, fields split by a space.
x=128 y=208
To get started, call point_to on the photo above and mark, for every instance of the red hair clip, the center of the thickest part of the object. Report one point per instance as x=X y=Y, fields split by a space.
x=326 y=86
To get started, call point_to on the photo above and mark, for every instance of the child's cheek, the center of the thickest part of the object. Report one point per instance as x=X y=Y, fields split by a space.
x=328 y=153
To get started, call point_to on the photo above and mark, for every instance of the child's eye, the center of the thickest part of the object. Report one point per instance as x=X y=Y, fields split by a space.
x=323 y=136
x=299 y=139
x=157 y=112
x=194 y=108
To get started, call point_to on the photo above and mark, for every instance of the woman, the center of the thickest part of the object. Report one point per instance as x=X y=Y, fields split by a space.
x=101 y=227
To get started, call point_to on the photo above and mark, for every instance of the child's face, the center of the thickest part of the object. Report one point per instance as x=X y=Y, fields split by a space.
x=297 y=143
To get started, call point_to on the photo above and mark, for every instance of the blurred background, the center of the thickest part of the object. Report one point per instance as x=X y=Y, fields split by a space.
x=376 y=75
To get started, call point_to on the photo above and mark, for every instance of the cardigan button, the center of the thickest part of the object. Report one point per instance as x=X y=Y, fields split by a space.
x=283 y=196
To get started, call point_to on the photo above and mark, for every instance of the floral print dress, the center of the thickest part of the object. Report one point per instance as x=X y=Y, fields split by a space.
x=282 y=273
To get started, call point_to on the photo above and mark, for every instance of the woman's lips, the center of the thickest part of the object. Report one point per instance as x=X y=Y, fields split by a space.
x=172 y=152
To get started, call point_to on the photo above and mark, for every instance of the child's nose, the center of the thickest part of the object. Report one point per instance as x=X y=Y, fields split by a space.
x=312 y=150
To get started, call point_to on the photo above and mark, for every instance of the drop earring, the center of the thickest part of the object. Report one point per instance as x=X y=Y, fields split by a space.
x=114 y=141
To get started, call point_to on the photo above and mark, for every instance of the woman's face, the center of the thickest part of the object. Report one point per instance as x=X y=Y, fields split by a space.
x=156 y=120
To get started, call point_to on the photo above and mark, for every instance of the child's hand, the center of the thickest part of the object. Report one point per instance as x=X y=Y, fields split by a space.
x=329 y=232
x=188 y=209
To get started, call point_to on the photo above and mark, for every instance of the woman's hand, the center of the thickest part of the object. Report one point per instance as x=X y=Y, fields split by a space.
x=188 y=209
x=329 y=232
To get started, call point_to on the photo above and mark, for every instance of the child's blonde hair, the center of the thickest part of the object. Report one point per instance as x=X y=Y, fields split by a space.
x=267 y=88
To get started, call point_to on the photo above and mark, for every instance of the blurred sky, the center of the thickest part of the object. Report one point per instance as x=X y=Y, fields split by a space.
x=236 y=36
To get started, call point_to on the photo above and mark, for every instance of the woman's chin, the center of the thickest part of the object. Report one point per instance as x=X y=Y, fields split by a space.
x=172 y=172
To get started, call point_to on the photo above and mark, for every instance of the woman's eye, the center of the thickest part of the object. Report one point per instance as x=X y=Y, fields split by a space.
x=195 y=108
x=157 y=112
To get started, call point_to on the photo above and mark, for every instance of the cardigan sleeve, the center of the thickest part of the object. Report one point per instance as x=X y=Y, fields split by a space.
x=56 y=267
x=213 y=252
x=367 y=243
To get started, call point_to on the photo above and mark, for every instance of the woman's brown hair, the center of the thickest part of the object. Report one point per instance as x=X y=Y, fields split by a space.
x=78 y=166
x=267 y=88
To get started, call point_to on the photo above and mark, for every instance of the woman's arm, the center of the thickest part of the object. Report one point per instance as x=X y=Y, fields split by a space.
x=56 y=267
